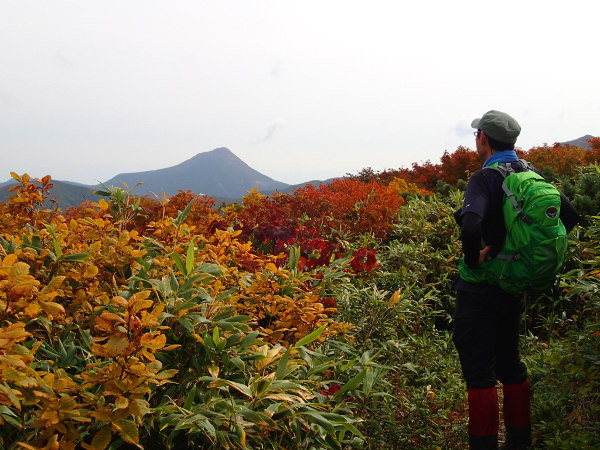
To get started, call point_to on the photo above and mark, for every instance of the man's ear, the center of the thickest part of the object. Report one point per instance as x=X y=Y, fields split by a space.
x=483 y=137
x=486 y=143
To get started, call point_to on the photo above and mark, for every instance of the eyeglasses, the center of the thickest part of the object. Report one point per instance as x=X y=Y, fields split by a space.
x=476 y=133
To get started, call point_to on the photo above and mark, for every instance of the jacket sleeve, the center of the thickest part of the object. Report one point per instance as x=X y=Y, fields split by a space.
x=568 y=215
x=471 y=234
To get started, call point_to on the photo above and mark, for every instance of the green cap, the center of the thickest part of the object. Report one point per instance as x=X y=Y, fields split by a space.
x=499 y=126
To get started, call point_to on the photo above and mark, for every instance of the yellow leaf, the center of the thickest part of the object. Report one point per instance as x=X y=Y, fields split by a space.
x=15 y=331
x=9 y=260
x=138 y=302
x=19 y=272
x=103 y=204
x=90 y=271
x=96 y=246
x=270 y=266
x=12 y=395
x=394 y=298
x=121 y=301
x=127 y=430
x=54 y=283
x=171 y=347
x=102 y=438
x=52 y=308
x=153 y=342
x=32 y=310
x=214 y=371
x=165 y=374
x=284 y=398
x=121 y=403
x=102 y=415
x=115 y=346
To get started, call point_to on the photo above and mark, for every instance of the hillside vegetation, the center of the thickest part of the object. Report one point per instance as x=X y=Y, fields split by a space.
x=318 y=319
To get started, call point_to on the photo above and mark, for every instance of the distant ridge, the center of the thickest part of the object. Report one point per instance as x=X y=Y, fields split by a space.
x=65 y=193
x=218 y=173
x=581 y=142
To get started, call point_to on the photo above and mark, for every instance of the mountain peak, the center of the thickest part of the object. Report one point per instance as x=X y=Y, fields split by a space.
x=581 y=142
x=218 y=173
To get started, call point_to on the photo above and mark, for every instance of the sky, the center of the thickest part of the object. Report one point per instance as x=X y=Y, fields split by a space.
x=298 y=90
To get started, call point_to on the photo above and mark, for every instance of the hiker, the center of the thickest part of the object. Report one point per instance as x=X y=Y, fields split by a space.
x=487 y=317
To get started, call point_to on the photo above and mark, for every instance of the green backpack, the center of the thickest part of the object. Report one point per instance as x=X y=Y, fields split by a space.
x=536 y=240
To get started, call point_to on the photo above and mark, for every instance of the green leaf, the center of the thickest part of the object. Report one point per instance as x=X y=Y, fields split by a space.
x=351 y=384
x=57 y=249
x=76 y=257
x=185 y=323
x=238 y=363
x=249 y=339
x=240 y=318
x=189 y=399
x=294 y=257
x=174 y=283
x=189 y=260
x=179 y=263
x=282 y=368
x=182 y=215
x=211 y=269
x=320 y=420
x=310 y=337
x=225 y=295
x=184 y=305
x=204 y=296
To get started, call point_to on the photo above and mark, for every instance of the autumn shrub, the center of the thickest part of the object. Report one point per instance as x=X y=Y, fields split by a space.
x=400 y=314
x=315 y=319
x=562 y=160
x=584 y=190
x=341 y=209
x=423 y=250
x=564 y=362
x=106 y=331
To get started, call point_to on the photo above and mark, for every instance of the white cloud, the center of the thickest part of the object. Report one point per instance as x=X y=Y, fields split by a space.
x=272 y=131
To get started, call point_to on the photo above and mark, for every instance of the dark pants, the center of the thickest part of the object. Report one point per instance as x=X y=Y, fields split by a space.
x=486 y=335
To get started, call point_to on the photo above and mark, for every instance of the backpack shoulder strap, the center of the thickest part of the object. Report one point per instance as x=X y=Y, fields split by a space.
x=502 y=169
x=526 y=165
x=506 y=169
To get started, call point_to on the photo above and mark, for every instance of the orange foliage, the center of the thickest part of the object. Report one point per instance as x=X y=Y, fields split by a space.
x=562 y=160
x=123 y=288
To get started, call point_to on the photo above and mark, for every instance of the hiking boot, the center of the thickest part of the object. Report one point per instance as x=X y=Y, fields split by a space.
x=517 y=438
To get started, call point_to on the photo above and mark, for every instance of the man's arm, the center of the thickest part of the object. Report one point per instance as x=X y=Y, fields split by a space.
x=471 y=234
x=568 y=214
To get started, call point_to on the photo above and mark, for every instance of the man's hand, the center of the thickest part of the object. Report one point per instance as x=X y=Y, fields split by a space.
x=483 y=253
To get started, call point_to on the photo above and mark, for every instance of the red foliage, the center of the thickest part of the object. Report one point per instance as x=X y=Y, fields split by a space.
x=561 y=159
x=459 y=165
x=333 y=388
x=364 y=260
x=351 y=206
x=317 y=219
x=318 y=252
